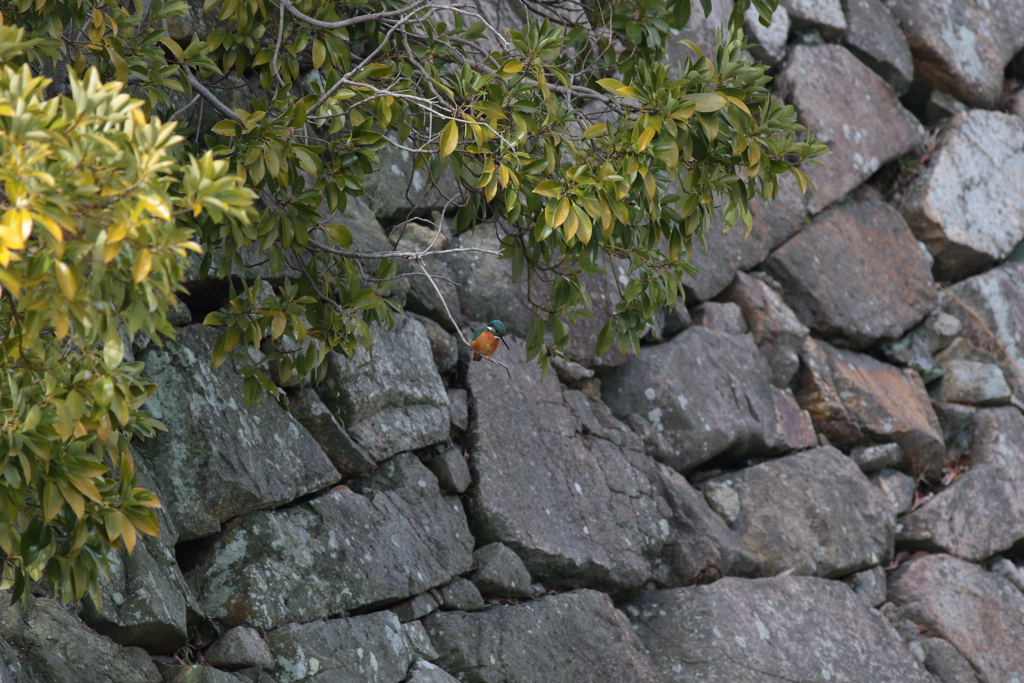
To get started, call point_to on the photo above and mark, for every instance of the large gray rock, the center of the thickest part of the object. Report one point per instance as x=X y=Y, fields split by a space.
x=423 y=671
x=397 y=537
x=968 y=205
x=982 y=512
x=874 y=35
x=856 y=274
x=390 y=398
x=709 y=394
x=576 y=637
x=856 y=400
x=50 y=644
x=990 y=307
x=962 y=47
x=219 y=459
x=375 y=648
x=979 y=612
x=770 y=631
x=812 y=512
x=733 y=251
x=777 y=331
x=568 y=487
x=852 y=110
x=824 y=15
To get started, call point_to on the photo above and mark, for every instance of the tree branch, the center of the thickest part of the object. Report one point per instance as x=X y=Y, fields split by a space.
x=408 y=255
x=331 y=25
x=222 y=109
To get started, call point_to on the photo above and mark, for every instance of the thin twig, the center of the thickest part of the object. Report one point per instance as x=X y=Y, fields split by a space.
x=458 y=328
x=181 y=111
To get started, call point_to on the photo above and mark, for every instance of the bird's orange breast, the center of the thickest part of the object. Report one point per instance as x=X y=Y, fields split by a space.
x=486 y=343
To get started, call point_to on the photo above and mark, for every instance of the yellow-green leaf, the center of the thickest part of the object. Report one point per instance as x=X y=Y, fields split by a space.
x=66 y=280
x=645 y=139
x=319 y=53
x=512 y=66
x=449 y=138
x=548 y=188
x=143 y=264
x=561 y=213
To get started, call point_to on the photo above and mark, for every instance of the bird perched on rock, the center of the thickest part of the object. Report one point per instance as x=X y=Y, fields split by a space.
x=485 y=341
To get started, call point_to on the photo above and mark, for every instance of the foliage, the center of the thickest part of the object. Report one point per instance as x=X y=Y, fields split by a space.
x=91 y=252
x=568 y=135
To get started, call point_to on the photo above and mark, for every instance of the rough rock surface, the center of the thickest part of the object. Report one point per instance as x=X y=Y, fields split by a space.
x=856 y=400
x=398 y=192
x=347 y=456
x=897 y=487
x=871 y=458
x=770 y=631
x=968 y=205
x=962 y=47
x=220 y=459
x=967 y=381
x=852 y=110
x=599 y=512
x=54 y=645
x=423 y=671
x=451 y=470
x=979 y=612
x=500 y=572
x=732 y=251
x=869 y=585
x=824 y=15
x=874 y=35
x=777 y=331
x=576 y=637
x=375 y=648
x=997 y=299
x=856 y=274
x=390 y=399
x=239 y=648
x=813 y=512
x=709 y=394
x=720 y=317
x=354 y=550
x=796 y=429
x=982 y=512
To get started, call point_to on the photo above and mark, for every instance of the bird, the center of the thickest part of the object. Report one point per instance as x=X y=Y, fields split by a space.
x=485 y=341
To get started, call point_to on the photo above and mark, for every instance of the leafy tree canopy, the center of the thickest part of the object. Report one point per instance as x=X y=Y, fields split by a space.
x=567 y=134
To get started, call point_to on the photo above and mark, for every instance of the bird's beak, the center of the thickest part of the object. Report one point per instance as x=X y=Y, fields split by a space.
x=505 y=343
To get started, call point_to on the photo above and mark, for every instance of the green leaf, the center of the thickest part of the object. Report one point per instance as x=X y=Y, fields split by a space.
x=606 y=337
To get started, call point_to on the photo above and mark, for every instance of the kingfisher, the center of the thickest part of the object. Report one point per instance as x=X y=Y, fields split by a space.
x=485 y=341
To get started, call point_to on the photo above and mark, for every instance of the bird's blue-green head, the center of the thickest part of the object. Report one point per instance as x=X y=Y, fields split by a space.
x=499 y=328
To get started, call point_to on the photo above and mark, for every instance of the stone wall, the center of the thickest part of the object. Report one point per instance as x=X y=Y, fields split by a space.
x=813 y=472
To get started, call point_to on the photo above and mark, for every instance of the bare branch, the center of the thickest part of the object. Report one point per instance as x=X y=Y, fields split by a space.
x=331 y=25
x=407 y=255
x=277 y=48
x=222 y=109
